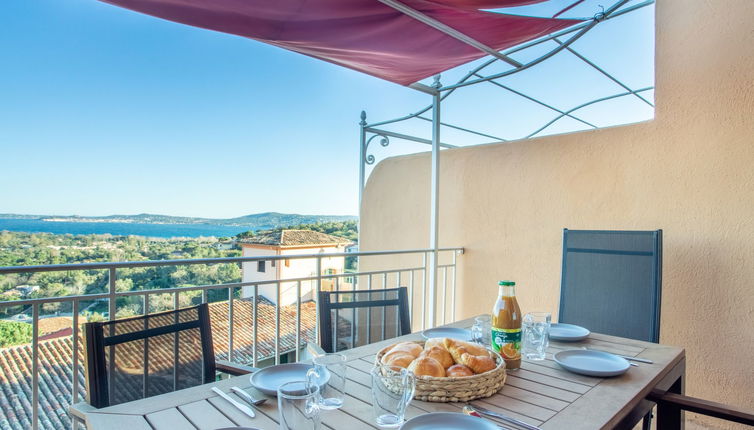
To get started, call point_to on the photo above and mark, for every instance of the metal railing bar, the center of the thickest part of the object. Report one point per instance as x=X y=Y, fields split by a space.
x=398 y=311
x=411 y=296
x=424 y=291
x=318 y=287
x=298 y=319
x=384 y=309
x=453 y=291
x=89 y=297
x=112 y=309
x=353 y=313
x=35 y=367
x=369 y=310
x=145 y=376
x=255 y=331
x=230 y=324
x=176 y=320
x=185 y=262
x=444 y=294
x=75 y=357
x=277 y=324
x=335 y=336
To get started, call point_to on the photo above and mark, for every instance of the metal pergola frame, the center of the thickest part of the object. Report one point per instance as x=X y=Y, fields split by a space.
x=370 y=132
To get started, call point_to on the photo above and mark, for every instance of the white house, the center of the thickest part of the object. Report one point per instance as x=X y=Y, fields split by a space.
x=290 y=242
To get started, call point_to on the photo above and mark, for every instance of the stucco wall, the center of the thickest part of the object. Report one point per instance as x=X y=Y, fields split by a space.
x=690 y=171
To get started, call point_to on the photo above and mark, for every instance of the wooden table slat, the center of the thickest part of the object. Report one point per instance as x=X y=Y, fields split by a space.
x=169 y=419
x=205 y=416
x=116 y=422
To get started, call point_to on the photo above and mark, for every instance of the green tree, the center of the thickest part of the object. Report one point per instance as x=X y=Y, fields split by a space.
x=14 y=333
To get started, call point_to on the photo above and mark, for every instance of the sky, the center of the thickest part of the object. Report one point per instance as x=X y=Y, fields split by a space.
x=105 y=111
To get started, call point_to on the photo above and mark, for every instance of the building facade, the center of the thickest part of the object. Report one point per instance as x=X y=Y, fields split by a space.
x=289 y=242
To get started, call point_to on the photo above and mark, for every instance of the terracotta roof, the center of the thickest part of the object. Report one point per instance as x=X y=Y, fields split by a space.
x=56 y=362
x=295 y=238
x=54 y=324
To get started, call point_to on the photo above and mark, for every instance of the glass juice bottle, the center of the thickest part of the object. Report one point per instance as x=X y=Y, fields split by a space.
x=506 y=325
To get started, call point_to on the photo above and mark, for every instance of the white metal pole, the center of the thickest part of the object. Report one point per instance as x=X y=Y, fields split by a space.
x=434 y=206
x=362 y=160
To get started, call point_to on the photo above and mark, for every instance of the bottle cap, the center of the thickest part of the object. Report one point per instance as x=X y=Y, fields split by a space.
x=506 y=283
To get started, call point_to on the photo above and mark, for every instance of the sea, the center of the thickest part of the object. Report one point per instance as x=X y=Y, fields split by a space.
x=120 y=228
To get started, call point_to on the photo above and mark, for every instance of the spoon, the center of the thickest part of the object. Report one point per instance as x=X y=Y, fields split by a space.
x=247 y=397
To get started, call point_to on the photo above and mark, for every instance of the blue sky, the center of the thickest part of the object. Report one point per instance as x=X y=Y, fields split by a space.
x=103 y=110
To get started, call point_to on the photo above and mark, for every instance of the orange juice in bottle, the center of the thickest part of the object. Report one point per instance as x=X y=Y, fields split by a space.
x=506 y=325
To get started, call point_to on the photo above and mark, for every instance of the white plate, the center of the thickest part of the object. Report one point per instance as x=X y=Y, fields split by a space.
x=592 y=363
x=448 y=421
x=453 y=333
x=568 y=332
x=268 y=379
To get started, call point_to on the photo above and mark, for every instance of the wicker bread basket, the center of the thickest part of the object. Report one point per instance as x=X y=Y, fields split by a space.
x=457 y=389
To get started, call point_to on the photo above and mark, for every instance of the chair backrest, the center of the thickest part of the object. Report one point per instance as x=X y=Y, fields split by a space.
x=612 y=282
x=135 y=358
x=353 y=318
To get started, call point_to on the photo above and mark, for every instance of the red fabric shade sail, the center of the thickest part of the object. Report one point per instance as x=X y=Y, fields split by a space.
x=363 y=35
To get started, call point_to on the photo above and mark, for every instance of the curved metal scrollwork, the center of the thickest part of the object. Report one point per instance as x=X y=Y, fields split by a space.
x=384 y=141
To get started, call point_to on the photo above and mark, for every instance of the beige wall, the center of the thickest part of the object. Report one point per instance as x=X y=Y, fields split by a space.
x=690 y=172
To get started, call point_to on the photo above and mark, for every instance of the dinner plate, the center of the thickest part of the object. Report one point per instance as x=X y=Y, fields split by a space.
x=453 y=333
x=592 y=363
x=448 y=421
x=568 y=332
x=268 y=379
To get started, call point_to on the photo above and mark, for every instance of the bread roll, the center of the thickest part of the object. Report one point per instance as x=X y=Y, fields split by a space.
x=457 y=348
x=435 y=341
x=410 y=347
x=403 y=348
x=478 y=363
x=458 y=370
x=427 y=366
x=440 y=354
x=399 y=358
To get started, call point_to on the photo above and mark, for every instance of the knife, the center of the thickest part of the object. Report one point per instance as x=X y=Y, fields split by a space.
x=245 y=409
x=628 y=357
x=468 y=410
x=505 y=418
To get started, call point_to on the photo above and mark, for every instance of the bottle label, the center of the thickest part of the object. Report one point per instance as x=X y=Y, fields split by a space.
x=507 y=342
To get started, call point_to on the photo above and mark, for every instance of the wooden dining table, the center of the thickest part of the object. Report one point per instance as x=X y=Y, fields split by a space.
x=540 y=393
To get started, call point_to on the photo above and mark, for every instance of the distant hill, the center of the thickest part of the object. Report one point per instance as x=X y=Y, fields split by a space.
x=261 y=221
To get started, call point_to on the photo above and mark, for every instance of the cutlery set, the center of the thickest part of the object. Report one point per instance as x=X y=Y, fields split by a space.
x=245 y=396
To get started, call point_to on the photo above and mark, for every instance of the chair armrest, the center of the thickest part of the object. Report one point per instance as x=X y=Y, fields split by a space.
x=314 y=349
x=79 y=409
x=704 y=407
x=234 y=369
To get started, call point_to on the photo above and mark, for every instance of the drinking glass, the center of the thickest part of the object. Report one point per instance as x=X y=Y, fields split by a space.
x=481 y=332
x=392 y=390
x=329 y=374
x=536 y=334
x=297 y=404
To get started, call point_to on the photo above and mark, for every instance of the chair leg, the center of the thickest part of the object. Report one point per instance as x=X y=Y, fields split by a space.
x=646 y=423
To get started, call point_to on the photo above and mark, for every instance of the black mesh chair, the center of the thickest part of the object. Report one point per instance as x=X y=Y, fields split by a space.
x=348 y=319
x=139 y=357
x=612 y=282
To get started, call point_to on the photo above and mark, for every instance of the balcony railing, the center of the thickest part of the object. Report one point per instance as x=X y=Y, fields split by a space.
x=412 y=276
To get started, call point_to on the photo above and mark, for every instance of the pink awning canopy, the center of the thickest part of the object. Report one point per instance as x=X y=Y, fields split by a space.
x=364 y=35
